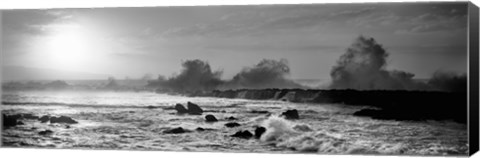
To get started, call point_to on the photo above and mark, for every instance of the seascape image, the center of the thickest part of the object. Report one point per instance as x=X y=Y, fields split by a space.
x=358 y=78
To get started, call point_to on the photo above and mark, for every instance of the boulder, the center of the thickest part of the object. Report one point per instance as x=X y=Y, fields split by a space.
x=194 y=109
x=62 y=119
x=291 y=114
x=181 y=109
x=243 y=134
x=30 y=116
x=152 y=107
x=259 y=131
x=200 y=129
x=210 y=118
x=10 y=121
x=232 y=124
x=46 y=132
x=44 y=119
x=259 y=112
x=177 y=130
x=231 y=118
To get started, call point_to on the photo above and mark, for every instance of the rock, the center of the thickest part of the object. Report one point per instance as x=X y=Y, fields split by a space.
x=44 y=119
x=291 y=114
x=259 y=131
x=210 y=118
x=46 y=132
x=30 y=116
x=194 y=109
x=231 y=118
x=243 y=134
x=62 y=119
x=200 y=129
x=232 y=124
x=152 y=107
x=10 y=121
x=177 y=130
x=181 y=109
x=259 y=112
x=303 y=128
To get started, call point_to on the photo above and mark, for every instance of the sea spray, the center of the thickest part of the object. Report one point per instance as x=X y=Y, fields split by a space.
x=277 y=129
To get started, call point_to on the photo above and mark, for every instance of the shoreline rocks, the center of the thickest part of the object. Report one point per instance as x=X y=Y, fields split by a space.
x=232 y=124
x=210 y=118
x=243 y=134
x=192 y=109
x=259 y=131
x=291 y=114
x=177 y=130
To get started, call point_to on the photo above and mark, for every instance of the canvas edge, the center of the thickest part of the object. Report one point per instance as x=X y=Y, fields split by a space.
x=473 y=106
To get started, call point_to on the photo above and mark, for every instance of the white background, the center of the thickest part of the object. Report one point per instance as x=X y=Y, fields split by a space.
x=66 y=153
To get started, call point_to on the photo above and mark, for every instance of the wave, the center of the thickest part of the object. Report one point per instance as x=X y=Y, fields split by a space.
x=302 y=138
x=74 y=104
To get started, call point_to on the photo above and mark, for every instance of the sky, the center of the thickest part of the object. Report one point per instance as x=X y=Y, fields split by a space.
x=420 y=38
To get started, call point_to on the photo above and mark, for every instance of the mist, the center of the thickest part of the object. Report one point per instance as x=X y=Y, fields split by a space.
x=196 y=75
x=267 y=73
x=363 y=67
x=449 y=81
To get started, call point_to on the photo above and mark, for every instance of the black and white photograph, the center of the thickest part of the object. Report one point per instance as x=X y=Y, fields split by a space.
x=355 y=78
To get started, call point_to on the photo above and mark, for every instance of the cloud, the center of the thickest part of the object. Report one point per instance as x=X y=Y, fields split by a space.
x=268 y=21
x=430 y=22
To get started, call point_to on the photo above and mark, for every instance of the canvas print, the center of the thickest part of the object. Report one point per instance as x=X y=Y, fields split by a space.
x=359 y=78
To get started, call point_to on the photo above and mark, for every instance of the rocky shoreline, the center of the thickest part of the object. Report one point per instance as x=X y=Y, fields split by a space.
x=395 y=105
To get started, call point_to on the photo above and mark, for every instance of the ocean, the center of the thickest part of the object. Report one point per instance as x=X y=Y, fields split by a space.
x=138 y=121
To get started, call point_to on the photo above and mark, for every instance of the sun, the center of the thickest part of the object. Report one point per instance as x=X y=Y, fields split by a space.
x=68 y=48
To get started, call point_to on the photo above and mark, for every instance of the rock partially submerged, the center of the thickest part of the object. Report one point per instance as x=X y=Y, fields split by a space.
x=259 y=131
x=200 y=129
x=11 y=120
x=291 y=114
x=30 y=116
x=181 y=109
x=177 y=130
x=46 y=132
x=243 y=134
x=232 y=124
x=194 y=109
x=44 y=119
x=231 y=118
x=210 y=118
x=62 y=119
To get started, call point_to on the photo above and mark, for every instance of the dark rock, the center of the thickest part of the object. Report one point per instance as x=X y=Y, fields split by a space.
x=194 y=109
x=30 y=116
x=10 y=121
x=152 y=107
x=231 y=118
x=291 y=114
x=210 y=118
x=200 y=129
x=44 y=119
x=232 y=124
x=181 y=109
x=259 y=131
x=46 y=132
x=259 y=112
x=243 y=134
x=62 y=119
x=177 y=130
